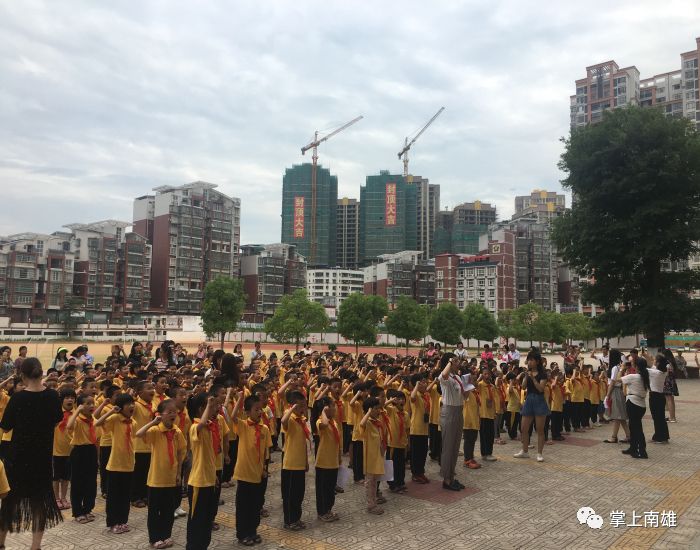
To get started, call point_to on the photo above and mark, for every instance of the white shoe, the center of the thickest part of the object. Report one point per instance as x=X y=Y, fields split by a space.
x=180 y=513
x=540 y=458
x=521 y=454
x=597 y=424
x=490 y=458
x=530 y=446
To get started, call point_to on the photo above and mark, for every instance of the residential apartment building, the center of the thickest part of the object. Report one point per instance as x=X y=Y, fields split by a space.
x=331 y=286
x=194 y=232
x=541 y=204
x=399 y=274
x=458 y=231
x=348 y=233
x=269 y=272
x=305 y=214
x=427 y=208
x=607 y=86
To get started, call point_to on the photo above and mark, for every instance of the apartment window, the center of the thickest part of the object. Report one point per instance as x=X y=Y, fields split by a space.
x=470 y=283
x=22 y=299
x=470 y=295
x=55 y=276
x=440 y=295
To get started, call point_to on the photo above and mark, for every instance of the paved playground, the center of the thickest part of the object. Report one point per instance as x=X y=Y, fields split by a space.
x=510 y=503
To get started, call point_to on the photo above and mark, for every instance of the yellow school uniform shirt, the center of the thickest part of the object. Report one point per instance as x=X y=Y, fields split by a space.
x=4 y=400
x=295 y=439
x=229 y=410
x=470 y=412
x=142 y=416
x=105 y=437
x=594 y=394
x=356 y=414
x=121 y=459
x=329 y=445
x=4 y=485
x=602 y=389
x=268 y=419
x=586 y=384
x=557 y=397
x=62 y=436
x=158 y=399
x=81 y=431
x=500 y=400
x=576 y=390
x=182 y=421
x=547 y=394
x=568 y=387
x=372 y=451
x=163 y=473
x=418 y=409
x=399 y=425
x=513 y=404
x=203 y=472
x=435 y=400
x=254 y=442
x=487 y=395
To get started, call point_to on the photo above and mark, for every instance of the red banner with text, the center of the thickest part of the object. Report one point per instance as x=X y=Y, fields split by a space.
x=390 y=206
x=298 y=217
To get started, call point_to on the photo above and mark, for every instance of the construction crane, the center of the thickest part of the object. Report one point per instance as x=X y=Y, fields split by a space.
x=407 y=144
x=314 y=158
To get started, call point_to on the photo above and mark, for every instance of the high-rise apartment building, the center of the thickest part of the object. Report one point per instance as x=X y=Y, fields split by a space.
x=348 y=233
x=543 y=205
x=301 y=218
x=427 y=208
x=269 y=272
x=458 y=231
x=606 y=86
x=194 y=232
x=387 y=216
x=400 y=274
x=331 y=286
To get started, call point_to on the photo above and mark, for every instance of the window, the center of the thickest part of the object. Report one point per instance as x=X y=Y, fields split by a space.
x=439 y=295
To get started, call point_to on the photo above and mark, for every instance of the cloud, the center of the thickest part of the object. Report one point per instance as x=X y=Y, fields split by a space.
x=101 y=102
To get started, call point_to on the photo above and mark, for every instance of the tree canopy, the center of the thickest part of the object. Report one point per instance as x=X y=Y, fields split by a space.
x=408 y=321
x=635 y=178
x=295 y=317
x=479 y=323
x=358 y=317
x=447 y=323
x=222 y=307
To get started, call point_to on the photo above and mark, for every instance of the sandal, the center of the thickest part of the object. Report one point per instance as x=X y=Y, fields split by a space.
x=83 y=520
x=257 y=539
x=264 y=513
x=159 y=544
x=327 y=518
x=376 y=510
x=139 y=504
x=247 y=542
x=624 y=441
x=292 y=527
x=301 y=524
x=169 y=543
x=611 y=440
x=215 y=526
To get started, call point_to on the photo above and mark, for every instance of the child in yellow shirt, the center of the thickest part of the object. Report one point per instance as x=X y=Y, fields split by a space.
x=470 y=431
x=83 y=459
x=61 y=450
x=420 y=419
x=328 y=458
x=110 y=394
x=360 y=394
x=296 y=461
x=399 y=423
x=513 y=406
x=144 y=412
x=168 y=449
x=374 y=448
x=487 y=414
x=557 y=398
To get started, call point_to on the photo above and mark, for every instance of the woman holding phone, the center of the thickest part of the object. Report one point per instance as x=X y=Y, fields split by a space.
x=535 y=407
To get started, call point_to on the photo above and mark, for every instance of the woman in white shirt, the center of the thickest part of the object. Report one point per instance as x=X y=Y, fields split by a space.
x=637 y=385
x=657 y=399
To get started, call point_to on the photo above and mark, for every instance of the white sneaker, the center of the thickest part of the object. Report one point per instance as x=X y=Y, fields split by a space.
x=597 y=424
x=180 y=513
x=540 y=458
x=521 y=454
x=490 y=458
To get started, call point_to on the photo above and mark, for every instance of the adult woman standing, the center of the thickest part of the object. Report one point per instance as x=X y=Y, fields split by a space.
x=535 y=380
x=657 y=399
x=451 y=420
x=670 y=386
x=618 y=409
x=32 y=415
x=637 y=387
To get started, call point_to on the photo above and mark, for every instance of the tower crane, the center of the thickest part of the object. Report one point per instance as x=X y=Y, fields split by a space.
x=407 y=144
x=314 y=158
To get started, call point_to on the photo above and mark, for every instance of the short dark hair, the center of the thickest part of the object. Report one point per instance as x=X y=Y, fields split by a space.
x=369 y=403
x=122 y=400
x=163 y=404
x=31 y=368
x=252 y=400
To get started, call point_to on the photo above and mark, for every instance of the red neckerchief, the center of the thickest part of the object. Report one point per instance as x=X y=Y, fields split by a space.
x=147 y=406
x=258 y=434
x=213 y=426
x=402 y=420
x=334 y=429
x=380 y=428
x=170 y=436
x=341 y=413
x=183 y=420
x=385 y=419
x=456 y=379
x=129 y=443
x=64 y=422
x=477 y=394
x=426 y=402
x=302 y=422
x=502 y=391
x=91 y=429
x=561 y=389
x=271 y=404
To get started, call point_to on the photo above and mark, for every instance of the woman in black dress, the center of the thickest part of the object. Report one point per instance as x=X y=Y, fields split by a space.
x=32 y=415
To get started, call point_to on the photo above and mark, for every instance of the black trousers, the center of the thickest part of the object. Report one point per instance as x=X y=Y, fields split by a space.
x=347 y=437
x=104 y=458
x=118 y=492
x=217 y=492
x=638 y=443
x=469 y=438
x=162 y=502
x=227 y=473
x=557 y=419
x=567 y=415
x=512 y=423
x=657 y=404
x=593 y=412
x=317 y=440
x=293 y=487
x=83 y=479
x=398 y=457
x=357 y=461
x=585 y=413
x=326 y=479
x=577 y=414
x=435 y=447
x=419 y=452
x=139 y=490
x=202 y=501
x=248 y=498
x=486 y=436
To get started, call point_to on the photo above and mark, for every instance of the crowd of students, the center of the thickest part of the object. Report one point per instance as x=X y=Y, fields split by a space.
x=157 y=426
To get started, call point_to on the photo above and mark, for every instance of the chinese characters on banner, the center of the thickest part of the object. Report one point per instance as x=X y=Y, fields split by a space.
x=390 y=210
x=298 y=217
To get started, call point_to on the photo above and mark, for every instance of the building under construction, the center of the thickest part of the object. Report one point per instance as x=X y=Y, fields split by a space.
x=458 y=231
x=298 y=216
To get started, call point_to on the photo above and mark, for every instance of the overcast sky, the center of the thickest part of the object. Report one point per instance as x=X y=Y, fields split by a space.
x=102 y=101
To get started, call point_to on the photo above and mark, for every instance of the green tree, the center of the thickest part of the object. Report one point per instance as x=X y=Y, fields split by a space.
x=408 y=321
x=507 y=324
x=552 y=328
x=72 y=314
x=636 y=179
x=358 y=317
x=447 y=323
x=578 y=327
x=479 y=324
x=222 y=306
x=295 y=317
x=530 y=324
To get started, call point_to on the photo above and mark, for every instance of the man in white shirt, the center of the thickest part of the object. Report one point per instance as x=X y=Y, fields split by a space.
x=256 y=353
x=460 y=352
x=513 y=354
x=307 y=349
x=603 y=358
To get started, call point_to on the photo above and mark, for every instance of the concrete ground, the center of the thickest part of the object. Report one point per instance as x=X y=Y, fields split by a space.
x=510 y=503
